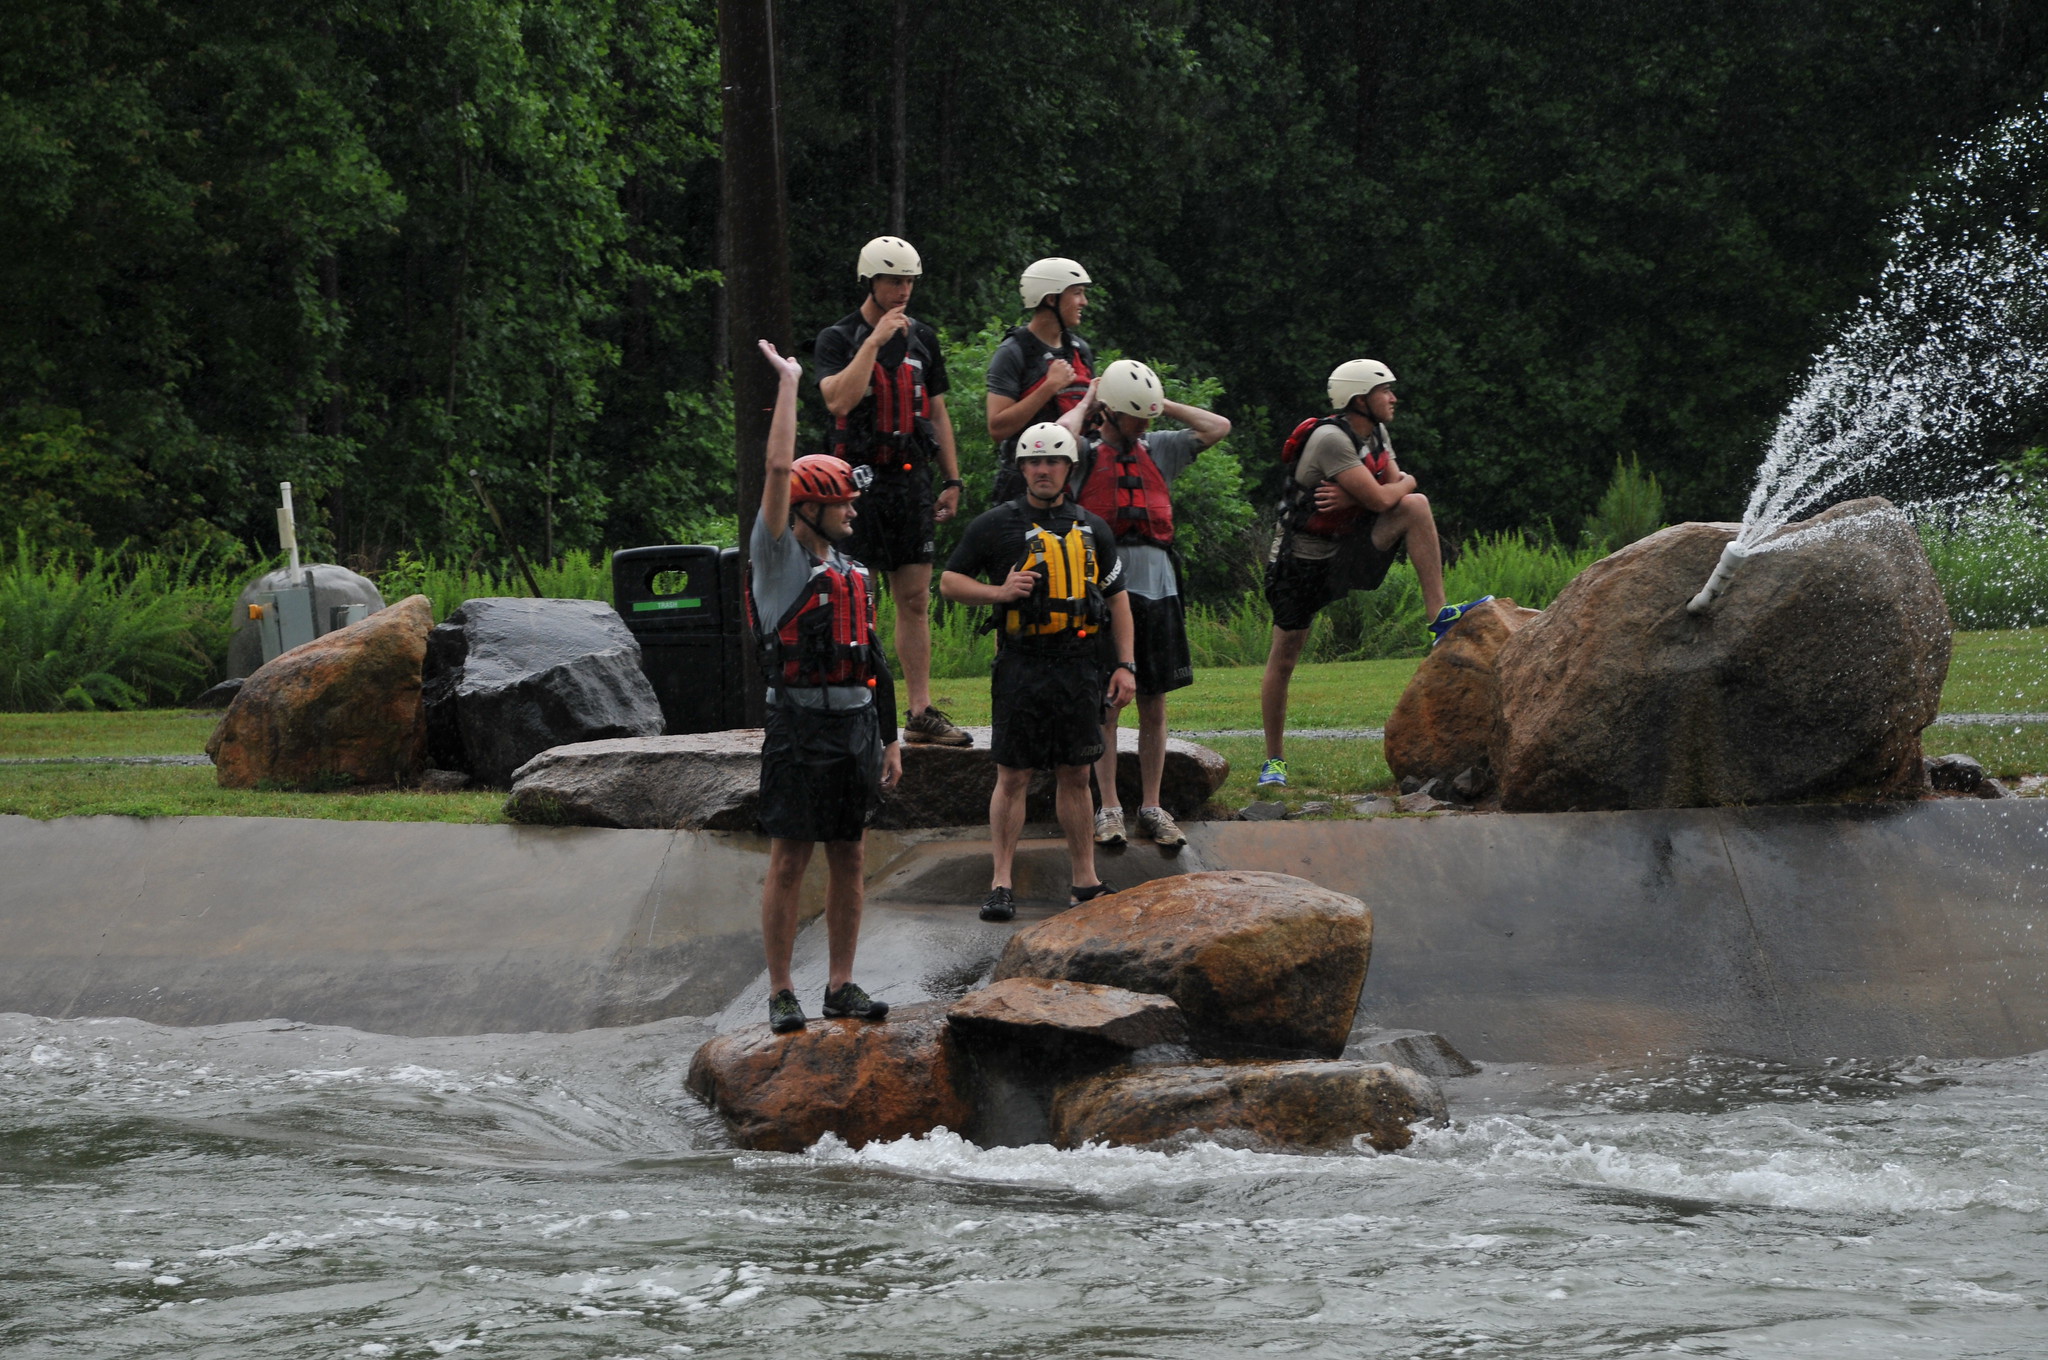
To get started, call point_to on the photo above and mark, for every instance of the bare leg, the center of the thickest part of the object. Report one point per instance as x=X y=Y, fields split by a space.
x=912 y=587
x=1280 y=662
x=843 y=894
x=1006 y=821
x=1151 y=746
x=1105 y=768
x=1077 y=819
x=1410 y=523
x=787 y=861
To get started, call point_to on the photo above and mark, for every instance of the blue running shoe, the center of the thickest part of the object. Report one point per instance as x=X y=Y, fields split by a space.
x=1449 y=615
x=1273 y=775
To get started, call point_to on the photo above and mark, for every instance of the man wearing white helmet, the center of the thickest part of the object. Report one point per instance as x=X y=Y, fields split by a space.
x=1123 y=476
x=1042 y=369
x=1050 y=571
x=1347 y=511
x=884 y=382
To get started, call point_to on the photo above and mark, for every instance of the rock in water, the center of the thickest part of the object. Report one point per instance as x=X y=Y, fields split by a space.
x=865 y=1082
x=1266 y=1105
x=333 y=587
x=1263 y=965
x=1810 y=677
x=1443 y=725
x=342 y=709
x=506 y=679
x=702 y=781
x=1029 y=1009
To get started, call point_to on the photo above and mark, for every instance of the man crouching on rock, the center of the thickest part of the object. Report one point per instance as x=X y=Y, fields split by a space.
x=831 y=742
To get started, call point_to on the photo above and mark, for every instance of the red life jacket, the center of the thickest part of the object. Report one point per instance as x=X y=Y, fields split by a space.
x=1298 y=513
x=1125 y=487
x=890 y=422
x=825 y=636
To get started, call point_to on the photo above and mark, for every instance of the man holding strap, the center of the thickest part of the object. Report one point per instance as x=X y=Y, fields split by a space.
x=1049 y=570
x=1042 y=369
x=831 y=743
x=884 y=382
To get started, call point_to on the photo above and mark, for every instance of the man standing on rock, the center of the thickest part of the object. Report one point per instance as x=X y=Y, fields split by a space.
x=1042 y=369
x=831 y=741
x=883 y=377
x=1123 y=478
x=1050 y=571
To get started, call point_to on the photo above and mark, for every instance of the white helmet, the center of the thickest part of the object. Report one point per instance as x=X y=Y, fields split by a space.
x=1047 y=440
x=1355 y=378
x=1045 y=277
x=888 y=255
x=1131 y=389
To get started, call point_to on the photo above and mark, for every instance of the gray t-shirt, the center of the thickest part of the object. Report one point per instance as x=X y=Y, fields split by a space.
x=781 y=570
x=1148 y=570
x=1328 y=452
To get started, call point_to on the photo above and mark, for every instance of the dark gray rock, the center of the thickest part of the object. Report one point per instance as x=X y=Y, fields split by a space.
x=1423 y=1050
x=1418 y=802
x=1373 y=806
x=222 y=694
x=950 y=785
x=1991 y=788
x=1264 y=812
x=1955 y=774
x=1315 y=808
x=444 y=781
x=506 y=679
x=704 y=781
x=1473 y=784
x=333 y=587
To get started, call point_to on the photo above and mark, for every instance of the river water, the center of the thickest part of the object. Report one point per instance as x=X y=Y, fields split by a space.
x=280 y=1190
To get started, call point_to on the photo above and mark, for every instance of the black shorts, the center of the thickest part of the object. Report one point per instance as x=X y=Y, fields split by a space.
x=1046 y=710
x=892 y=524
x=1159 y=638
x=821 y=772
x=1296 y=587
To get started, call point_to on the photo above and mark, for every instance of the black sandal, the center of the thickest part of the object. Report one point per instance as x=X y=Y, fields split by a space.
x=1076 y=896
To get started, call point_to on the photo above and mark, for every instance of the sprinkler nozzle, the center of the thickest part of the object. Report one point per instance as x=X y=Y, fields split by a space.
x=1731 y=558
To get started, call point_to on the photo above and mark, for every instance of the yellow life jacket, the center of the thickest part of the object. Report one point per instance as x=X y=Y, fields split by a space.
x=1068 y=596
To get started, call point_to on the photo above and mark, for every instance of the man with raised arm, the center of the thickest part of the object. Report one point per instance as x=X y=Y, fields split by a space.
x=884 y=382
x=1042 y=369
x=831 y=744
x=1049 y=570
x=1347 y=511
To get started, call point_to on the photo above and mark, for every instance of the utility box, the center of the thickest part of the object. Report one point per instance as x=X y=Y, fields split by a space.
x=284 y=619
x=682 y=605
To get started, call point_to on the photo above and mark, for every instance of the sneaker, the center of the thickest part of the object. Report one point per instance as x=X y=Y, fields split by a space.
x=1076 y=896
x=933 y=728
x=785 y=1012
x=848 y=1000
x=1158 y=824
x=1273 y=774
x=1109 y=827
x=1449 y=615
x=999 y=905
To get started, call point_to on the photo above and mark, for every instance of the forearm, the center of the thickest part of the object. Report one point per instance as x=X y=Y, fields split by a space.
x=963 y=589
x=942 y=428
x=1120 y=630
x=781 y=454
x=1017 y=413
x=1209 y=427
x=1074 y=419
x=843 y=390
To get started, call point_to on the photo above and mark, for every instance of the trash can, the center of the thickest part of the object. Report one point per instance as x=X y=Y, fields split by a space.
x=682 y=605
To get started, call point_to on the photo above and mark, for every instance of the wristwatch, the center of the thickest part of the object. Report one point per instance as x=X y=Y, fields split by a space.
x=950 y=483
x=1130 y=666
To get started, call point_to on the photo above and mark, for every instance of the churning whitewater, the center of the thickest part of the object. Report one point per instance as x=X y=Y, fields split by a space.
x=274 y=1189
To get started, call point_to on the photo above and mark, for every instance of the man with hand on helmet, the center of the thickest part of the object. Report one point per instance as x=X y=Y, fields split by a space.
x=884 y=382
x=1042 y=369
x=1049 y=570
x=1123 y=477
x=1346 y=513
x=831 y=745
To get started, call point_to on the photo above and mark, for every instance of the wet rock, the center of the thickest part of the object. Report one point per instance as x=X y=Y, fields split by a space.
x=1026 y=1009
x=334 y=588
x=1810 y=677
x=220 y=695
x=341 y=710
x=1443 y=724
x=950 y=785
x=507 y=678
x=1474 y=783
x=1955 y=774
x=1375 y=806
x=1419 y=802
x=1264 y=1105
x=1991 y=788
x=1264 y=812
x=864 y=1082
x=1423 y=1050
x=1410 y=784
x=705 y=781
x=1262 y=964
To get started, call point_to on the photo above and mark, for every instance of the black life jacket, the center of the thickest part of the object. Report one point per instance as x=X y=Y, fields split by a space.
x=1070 y=348
x=892 y=424
x=1127 y=489
x=826 y=635
x=1298 y=513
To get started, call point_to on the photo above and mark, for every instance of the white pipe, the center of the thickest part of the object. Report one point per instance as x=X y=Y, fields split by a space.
x=288 y=527
x=1731 y=558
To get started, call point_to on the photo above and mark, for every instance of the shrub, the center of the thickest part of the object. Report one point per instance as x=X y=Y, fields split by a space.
x=578 y=575
x=1993 y=568
x=1632 y=507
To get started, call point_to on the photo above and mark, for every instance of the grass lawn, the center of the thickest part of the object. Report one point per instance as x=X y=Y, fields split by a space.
x=1993 y=672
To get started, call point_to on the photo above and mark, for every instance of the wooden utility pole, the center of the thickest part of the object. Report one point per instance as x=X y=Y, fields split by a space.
x=755 y=218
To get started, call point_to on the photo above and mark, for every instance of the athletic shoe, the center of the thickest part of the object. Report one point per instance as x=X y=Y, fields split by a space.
x=848 y=1000
x=1449 y=615
x=1109 y=828
x=785 y=1012
x=1158 y=824
x=999 y=905
x=1273 y=774
x=933 y=728
x=1076 y=896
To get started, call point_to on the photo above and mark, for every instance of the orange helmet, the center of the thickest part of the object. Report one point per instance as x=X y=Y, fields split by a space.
x=822 y=478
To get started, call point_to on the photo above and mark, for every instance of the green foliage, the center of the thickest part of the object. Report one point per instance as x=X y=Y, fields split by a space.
x=1992 y=568
x=109 y=630
x=1631 y=508
x=577 y=576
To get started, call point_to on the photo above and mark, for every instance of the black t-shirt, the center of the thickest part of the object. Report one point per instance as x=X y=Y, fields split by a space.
x=1021 y=361
x=993 y=546
x=840 y=341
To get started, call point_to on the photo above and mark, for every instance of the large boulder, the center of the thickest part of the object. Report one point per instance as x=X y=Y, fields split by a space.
x=343 y=709
x=333 y=588
x=950 y=785
x=508 y=678
x=1055 y=1012
x=1810 y=677
x=866 y=1082
x=1264 y=1105
x=1264 y=965
x=1443 y=725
